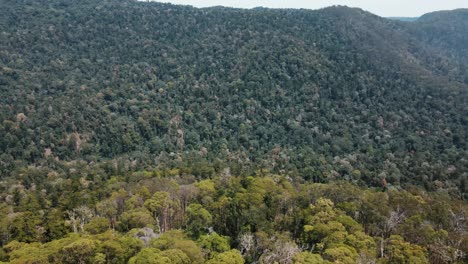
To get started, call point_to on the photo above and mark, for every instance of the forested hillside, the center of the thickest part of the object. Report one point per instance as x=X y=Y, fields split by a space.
x=331 y=94
x=136 y=130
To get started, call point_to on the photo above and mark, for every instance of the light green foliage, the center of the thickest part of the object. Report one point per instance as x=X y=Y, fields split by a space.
x=416 y=230
x=55 y=224
x=130 y=246
x=158 y=202
x=155 y=256
x=144 y=193
x=97 y=225
x=228 y=257
x=337 y=236
x=176 y=256
x=268 y=218
x=23 y=227
x=137 y=218
x=14 y=245
x=206 y=190
x=213 y=244
x=308 y=258
x=99 y=258
x=113 y=250
x=341 y=254
x=159 y=206
x=29 y=254
x=79 y=251
x=133 y=202
x=399 y=251
x=175 y=239
x=149 y=256
x=198 y=220
x=107 y=247
x=109 y=209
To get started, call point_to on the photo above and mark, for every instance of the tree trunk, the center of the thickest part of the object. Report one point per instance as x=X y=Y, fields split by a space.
x=382 y=248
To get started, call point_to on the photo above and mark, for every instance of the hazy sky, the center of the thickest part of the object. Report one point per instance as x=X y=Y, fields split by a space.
x=409 y=8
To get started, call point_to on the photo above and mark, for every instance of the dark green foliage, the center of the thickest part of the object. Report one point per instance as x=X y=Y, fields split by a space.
x=336 y=93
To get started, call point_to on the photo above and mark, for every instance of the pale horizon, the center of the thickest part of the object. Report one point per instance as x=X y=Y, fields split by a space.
x=385 y=8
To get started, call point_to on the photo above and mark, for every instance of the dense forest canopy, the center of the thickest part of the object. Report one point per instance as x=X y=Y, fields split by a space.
x=336 y=93
x=134 y=131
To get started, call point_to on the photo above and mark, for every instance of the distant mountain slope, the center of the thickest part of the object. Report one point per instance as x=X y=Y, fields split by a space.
x=406 y=19
x=447 y=30
x=336 y=93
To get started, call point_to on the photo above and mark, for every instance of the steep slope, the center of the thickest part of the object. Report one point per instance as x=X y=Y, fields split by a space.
x=331 y=94
x=447 y=33
x=446 y=29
